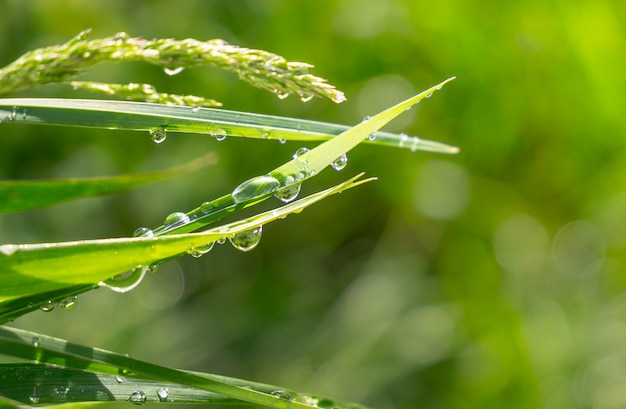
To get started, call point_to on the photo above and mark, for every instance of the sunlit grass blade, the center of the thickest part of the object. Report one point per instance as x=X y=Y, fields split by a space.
x=295 y=171
x=44 y=349
x=17 y=196
x=28 y=269
x=149 y=117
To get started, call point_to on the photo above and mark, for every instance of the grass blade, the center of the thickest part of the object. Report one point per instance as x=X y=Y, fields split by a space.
x=18 y=196
x=149 y=117
x=28 y=269
x=32 y=346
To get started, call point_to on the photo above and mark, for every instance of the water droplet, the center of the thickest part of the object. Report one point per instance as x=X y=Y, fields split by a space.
x=173 y=71
x=47 y=306
x=8 y=249
x=158 y=135
x=24 y=114
x=282 y=394
x=175 y=219
x=340 y=163
x=12 y=115
x=282 y=141
x=290 y=191
x=367 y=118
x=247 y=240
x=33 y=399
x=371 y=137
x=299 y=153
x=119 y=379
x=218 y=134
x=306 y=97
x=152 y=268
x=221 y=241
x=68 y=302
x=137 y=397
x=415 y=141
x=125 y=282
x=162 y=393
x=143 y=232
x=428 y=95
x=36 y=342
x=255 y=187
x=200 y=251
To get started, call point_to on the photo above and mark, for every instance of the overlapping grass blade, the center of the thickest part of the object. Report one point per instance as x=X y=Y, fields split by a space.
x=28 y=269
x=44 y=349
x=149 y=117
x=18 y=196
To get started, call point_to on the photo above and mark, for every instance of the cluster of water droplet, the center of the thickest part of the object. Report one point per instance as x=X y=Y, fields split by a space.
x=139 y=397
x=66 y=303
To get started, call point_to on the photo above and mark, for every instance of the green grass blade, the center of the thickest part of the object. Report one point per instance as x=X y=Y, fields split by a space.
x=18 y=196
x=149 y=117
x=44 y=349
x=28 y=269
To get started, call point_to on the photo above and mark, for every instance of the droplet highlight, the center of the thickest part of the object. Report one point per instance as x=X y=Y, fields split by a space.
x=247 y=240
x=340 y=163
x=255 y=187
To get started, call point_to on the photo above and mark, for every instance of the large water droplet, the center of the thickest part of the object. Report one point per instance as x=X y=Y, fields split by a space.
x=247 y=240
x=200 y=251
x=137 y=397
x=125 y=282
x=291 y=190
x=143 y=232
x=299 y=153
x=158 y=135
x=175 y=219
x=68 y=302
x=163 y=393
x=47 y=306
x=173 y=71
x=255 y=187
x=340 y=163
x=282 y=394
x=218 y=134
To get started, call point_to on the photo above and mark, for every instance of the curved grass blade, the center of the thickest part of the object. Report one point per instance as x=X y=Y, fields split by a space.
x=149 y=117
x=28 y=269
x=32 y=346
x=18 y=196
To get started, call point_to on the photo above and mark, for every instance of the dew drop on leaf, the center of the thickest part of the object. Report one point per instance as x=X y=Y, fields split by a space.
x=255 y=187
x=158 y=135
x=175 y=219
x=340 y=163
x=218 y=134
x=299 y=153
x=119 y=379
x=162 y=393
x=200 y=251
x=68 y=302
x=137 y=398
x=290 y=191
x=282 y=394
x=372 y=136
x=47 y=306
x=125 y=282
x=247 y=240
x=143 y=232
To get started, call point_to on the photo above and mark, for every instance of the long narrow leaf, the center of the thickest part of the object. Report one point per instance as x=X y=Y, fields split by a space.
x=32 y=346
x=27 y=269
x=219 y=122
x=18 y=196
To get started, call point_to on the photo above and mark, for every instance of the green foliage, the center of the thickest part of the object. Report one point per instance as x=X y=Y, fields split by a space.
x=39 y=276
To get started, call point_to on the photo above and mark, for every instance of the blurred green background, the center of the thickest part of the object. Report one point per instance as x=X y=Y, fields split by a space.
x=494 y=278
